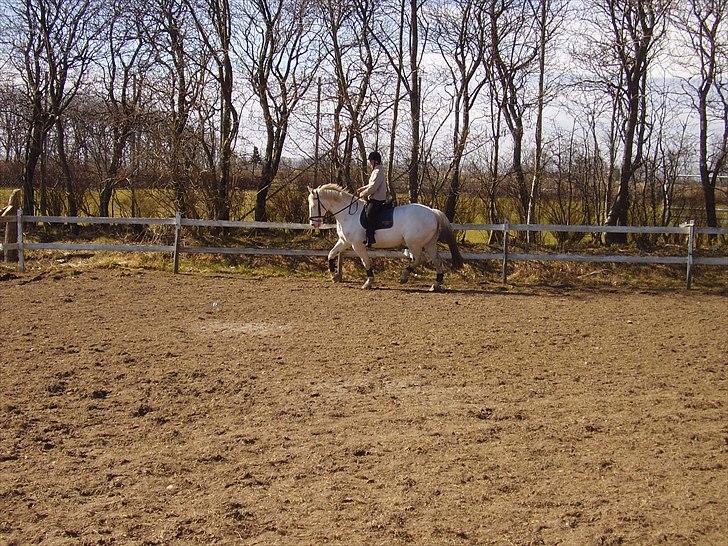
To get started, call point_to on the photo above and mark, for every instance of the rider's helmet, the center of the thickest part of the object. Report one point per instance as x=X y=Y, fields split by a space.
x=375 y=156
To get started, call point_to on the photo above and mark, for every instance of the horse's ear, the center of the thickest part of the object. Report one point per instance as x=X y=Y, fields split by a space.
x=310 y=189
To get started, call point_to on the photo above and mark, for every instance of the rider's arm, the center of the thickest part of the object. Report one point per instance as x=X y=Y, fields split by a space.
x=366 y=191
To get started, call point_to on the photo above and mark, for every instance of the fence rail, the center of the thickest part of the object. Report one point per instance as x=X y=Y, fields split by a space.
x=573 y=228
x=505 y=256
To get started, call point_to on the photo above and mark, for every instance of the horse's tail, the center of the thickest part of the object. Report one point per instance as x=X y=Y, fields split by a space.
x=446 y=235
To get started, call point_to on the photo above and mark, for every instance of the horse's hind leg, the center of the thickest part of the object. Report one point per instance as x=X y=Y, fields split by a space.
x=416 y=256
x=431 y=249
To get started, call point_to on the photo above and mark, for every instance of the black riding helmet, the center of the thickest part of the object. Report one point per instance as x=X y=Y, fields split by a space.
x=375 y=156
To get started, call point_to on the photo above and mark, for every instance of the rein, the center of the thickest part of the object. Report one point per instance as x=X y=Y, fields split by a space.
x=320 y=206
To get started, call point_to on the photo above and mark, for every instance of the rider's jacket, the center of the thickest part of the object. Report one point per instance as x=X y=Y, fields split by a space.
x=377 y=187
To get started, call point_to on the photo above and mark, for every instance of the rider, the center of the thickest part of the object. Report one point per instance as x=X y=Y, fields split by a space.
x=375 y=193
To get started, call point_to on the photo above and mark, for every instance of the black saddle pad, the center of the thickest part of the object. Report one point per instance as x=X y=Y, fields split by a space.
x=384 y=219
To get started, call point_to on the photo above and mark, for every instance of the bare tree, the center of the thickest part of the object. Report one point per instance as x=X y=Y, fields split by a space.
x=549 y=15
x=417 y=48
x=460 y=32
x=704 y=27
x=353 y=59
x=177 y=84
x=633 y=29
x=12 y=122
x=394 y=50
x=213 y=20
x=515 y=44
x=405 y=57
x=599 y=172
x=123 y=68
x=665 y=157
x=496 y=123
x=280 y=56
x=52 y=46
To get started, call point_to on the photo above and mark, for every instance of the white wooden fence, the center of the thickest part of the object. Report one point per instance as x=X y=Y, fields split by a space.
x=504 y=256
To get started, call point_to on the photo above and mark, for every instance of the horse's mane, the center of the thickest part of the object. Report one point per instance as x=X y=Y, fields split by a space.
x=334 y=187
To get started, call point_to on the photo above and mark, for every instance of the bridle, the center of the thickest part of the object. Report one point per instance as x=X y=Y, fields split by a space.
x=319 y=206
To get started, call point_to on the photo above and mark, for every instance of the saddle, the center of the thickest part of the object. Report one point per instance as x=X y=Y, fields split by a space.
x=384 y=219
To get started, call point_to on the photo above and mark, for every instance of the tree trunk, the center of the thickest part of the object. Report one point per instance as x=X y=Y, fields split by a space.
x=536 y=180
x=228 y=132
x=105 y=196
x=66 y=170
x=454 y=191
x=711 y=218
x=462 y=127
x=261 y=197
x=415 y=102
x=336 y=159
x=348 y=153
x=618 y=213
x=390 y=159
x=222 y=201
x=107 y=190
x=33 y=152
x=460 y=133
x=180 y=200
x=518 y=168
x=395 y=109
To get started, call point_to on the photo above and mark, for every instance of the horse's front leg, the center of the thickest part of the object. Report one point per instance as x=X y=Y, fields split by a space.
x=333 y=255
x=361 y=251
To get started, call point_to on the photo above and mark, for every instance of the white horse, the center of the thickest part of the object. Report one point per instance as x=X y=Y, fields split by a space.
x=416 y=226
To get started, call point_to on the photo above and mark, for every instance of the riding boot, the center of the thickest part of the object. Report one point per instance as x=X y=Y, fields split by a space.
x=372 y=210
x=370 y=238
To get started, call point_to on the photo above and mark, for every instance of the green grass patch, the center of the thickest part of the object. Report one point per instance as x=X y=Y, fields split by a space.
x=5 y=196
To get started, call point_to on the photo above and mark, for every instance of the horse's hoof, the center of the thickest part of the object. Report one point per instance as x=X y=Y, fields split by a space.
x=367 y=285
x=403 y=279
x=437 y=288
x=336 y=278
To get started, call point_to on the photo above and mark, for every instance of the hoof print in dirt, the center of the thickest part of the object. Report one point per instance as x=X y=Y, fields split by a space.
x=99 y=394
x=483 y=413
x=45 y=444
x=56 y=388
x=142 y=410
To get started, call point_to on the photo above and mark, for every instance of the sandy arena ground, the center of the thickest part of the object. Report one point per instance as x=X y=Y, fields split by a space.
x=146 y=408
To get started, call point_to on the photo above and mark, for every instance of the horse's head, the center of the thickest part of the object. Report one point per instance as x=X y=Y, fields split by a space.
x=315 y=210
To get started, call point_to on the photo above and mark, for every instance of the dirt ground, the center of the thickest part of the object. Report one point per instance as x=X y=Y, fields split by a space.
x=139 y=407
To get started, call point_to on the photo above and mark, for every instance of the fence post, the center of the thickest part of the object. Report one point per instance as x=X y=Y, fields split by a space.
x=504 y=272
x=21 y=244
x=691 y=245
x=177 y=240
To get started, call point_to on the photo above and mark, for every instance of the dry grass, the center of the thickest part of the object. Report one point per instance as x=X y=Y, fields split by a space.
x=520 y=274
x=559 y=274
